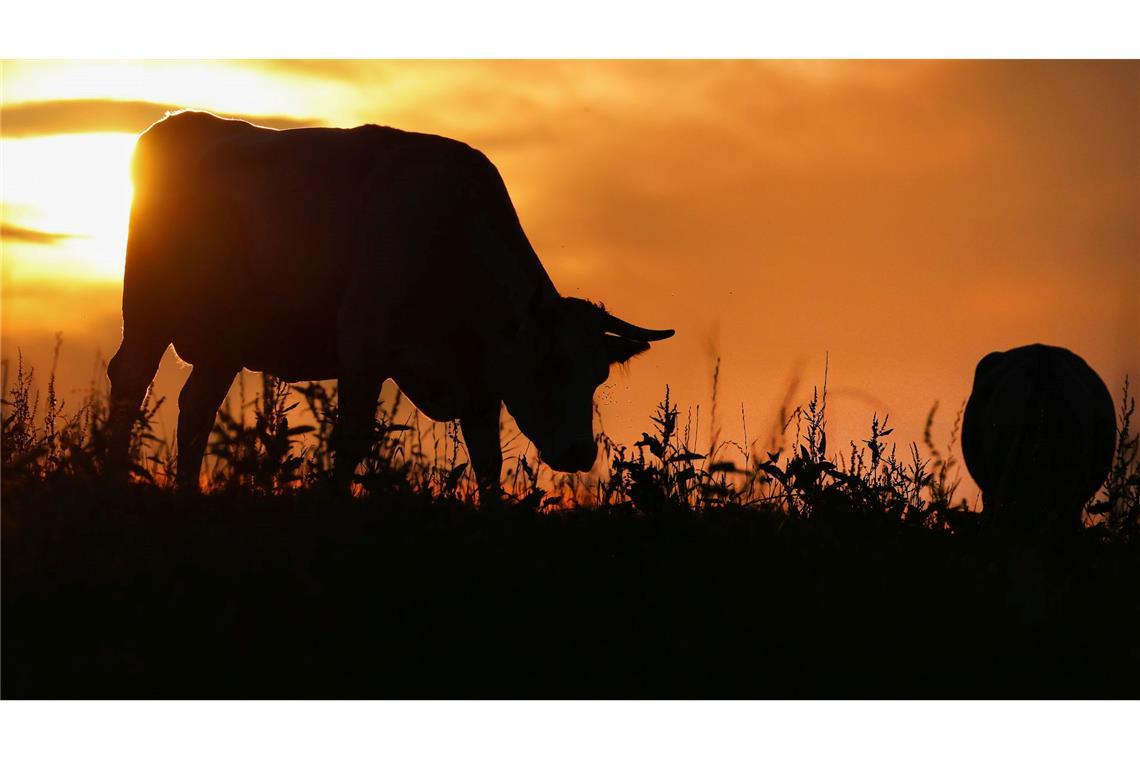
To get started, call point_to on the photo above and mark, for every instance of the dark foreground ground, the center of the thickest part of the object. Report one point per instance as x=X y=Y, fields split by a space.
x=143 y=593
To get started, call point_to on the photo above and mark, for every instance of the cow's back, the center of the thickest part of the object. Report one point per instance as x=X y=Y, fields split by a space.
x=1038 y=436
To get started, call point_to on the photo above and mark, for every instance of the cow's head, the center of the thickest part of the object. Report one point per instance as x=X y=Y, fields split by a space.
x=562 y=353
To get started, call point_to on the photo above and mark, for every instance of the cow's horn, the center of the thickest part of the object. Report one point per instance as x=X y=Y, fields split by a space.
x=626 y=330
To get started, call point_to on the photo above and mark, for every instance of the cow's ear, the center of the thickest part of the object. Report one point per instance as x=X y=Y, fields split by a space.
x=537 y=315
x=620 y=350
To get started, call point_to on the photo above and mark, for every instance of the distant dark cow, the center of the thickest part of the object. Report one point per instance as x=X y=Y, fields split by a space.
x=1038 y=437
x=356 y=254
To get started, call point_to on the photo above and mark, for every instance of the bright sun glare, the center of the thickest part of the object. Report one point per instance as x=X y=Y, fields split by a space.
x=74 y=185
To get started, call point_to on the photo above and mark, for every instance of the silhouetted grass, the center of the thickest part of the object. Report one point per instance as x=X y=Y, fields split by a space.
x=724 y=569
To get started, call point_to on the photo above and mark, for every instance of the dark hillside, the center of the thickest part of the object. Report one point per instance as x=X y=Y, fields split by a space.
x=792 y=573
x=142 y=593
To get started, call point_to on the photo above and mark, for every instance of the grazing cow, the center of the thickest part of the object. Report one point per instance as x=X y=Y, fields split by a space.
x=356 y=254
x=1038 y=437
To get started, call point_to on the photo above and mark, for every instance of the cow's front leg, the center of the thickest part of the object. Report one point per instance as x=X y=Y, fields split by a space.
x=198 y=404
x=481 y=434
x=357 y=395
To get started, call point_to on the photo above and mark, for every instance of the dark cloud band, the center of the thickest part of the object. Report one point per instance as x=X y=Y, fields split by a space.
x=28 y=235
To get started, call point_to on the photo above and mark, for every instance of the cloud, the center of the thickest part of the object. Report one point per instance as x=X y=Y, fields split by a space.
x=56 y=117
x=323 y=68
x=37 y=237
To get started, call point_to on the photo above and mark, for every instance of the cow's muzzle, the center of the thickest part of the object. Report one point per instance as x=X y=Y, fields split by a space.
x=578 y=457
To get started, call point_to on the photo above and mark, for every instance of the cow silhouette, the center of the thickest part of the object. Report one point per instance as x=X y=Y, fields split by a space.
x=1038 y=437
x=358 y=255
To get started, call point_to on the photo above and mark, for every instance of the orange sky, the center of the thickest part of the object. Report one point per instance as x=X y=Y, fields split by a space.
x=901 y=218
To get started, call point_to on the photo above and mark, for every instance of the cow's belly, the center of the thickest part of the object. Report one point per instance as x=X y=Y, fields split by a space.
x=306 y=349
x=429 y=372
x=434 y=379
x=257 y=336
x=292 y=363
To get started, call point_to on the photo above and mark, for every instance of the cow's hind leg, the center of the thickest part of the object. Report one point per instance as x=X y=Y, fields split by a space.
x=198 y=403
x=356 y=397
x=131 y=371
